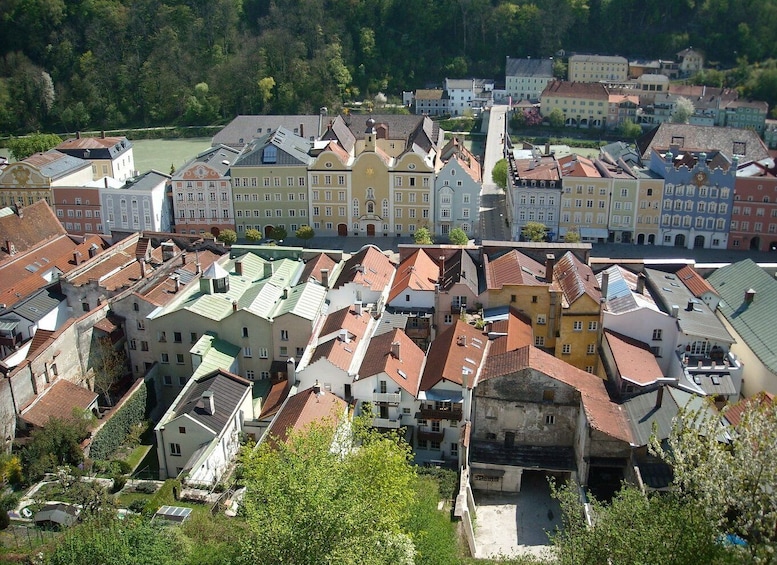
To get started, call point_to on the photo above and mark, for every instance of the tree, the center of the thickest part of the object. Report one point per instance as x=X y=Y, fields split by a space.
x=556 y=118
x=499 y=173
x=423 y=236
x=57 y=443
x=108 y=366
x=635 y=528
x=278 y=233
x=458 y=236
x=309 y=502
x=253 y=235
x=23 y=147
x=227 y=237
x=534 y=231
x=729 y=473
x=305 y=233
x=629 y=130
x=572 y=236
x=683 y=110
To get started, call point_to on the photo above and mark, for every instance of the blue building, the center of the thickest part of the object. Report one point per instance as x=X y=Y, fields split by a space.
x=698 y=196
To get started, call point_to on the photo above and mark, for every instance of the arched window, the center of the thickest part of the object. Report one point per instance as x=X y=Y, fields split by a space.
x=370 y=207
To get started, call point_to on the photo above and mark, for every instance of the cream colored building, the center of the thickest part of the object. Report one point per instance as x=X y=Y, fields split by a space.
x=584 y=105
x=110 y=156
x=585 y=199
x=598 y=68
x=25 y=182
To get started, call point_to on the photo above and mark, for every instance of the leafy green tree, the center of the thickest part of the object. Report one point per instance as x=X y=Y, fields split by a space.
x=635 y=528
x=559 y=69
x=683 y=110
x=423 y=236
x=534 y=231
x=556 y=118
x=227 y=237
x=572 y=236
x=629 y=130
x=499 y=173
x=307 y=502
x=55 y=444
x=730 y=475
x=109 y=365
x=279 y=233
x=133 y=540
x=253 y=235
x=23 y=147
x=305 y=233
x=458 y=236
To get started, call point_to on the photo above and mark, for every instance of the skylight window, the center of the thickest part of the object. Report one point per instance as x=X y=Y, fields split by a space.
x=270 y=154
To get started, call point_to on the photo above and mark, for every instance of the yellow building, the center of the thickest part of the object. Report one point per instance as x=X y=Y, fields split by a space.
x=584 y=104
x=596 y=68
x=580 y=324
x=270 y=184
x=27 y=181
x=651 y=189
x=110 y=156
x=585 y=199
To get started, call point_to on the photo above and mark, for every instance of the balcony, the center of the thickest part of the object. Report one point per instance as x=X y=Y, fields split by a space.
x=11 y=342
x=721 y=362
x=429 y=435
x=454 y=413
x=387 y=423
x=387 y=397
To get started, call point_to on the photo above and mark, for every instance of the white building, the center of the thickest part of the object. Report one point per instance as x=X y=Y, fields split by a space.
x=525 y=79
x=138 y=204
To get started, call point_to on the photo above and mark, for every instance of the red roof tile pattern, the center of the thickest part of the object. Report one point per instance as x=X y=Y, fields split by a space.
x=417 y=272
x=369 y=267
x=313 y=267
x=341 y=154
x=164 y=290
x=697 y=284
x=602 y=413
x=567 y=89
x=36 y=225
x=735 y=412
x=510 y=334
x=279 y=391
x=578 y=166
x=90 y=142
x=40 y=338
x=342 y=331
x=633 y=359
x=302 y=410
x=458 y=348
x=405 y=370
x=58 y=401
x=512 y=268
x=575 y=279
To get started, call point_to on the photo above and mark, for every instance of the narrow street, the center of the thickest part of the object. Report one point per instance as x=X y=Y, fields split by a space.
x=493 y=203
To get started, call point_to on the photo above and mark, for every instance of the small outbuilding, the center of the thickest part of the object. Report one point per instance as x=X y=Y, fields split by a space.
x=56 y=515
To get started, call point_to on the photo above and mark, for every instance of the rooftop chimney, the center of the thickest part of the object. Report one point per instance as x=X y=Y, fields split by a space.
x=234 y=305
x=168 y=251
x=316 y=388
x=285 y=293
x=689 y=306
x=177 y=282
x=78 y=135
x=183 y=258
x=395 y=350
x=207 y=402
x=77 y=257
x=93 y=250
x=357 y=307
x=10 y=248
x=675 y=311
x=239 y=267
x=302 y=130
x=605 y=284
x=105 y=181
x=344 y=337
x=102 y=134
x=267 y=270
x=641 y=283
x=749 y=295
x=291 y=372
x=462 y=340
x=142 y=268
x=550 y=262
x=325 y=277
x=659 y=396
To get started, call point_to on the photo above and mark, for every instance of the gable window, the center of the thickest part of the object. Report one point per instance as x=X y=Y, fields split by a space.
x=284 y=335
x=657 y=334
x=245 y=332
x=175 y=449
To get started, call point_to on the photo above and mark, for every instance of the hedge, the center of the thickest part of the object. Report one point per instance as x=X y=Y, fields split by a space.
x=112 y=434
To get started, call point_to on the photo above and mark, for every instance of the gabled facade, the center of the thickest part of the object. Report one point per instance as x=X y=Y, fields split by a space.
x=202 y=193
x=457 y=191
x=754 y=211
x=365 y=278
x=78 y=208
x=431 y=102
x=535 y=183
x=586 y=199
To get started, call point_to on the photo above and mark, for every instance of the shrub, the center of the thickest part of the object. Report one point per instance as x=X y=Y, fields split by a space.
x=137 y=506
x=118 y=482
x=115 y=430
x=146 y=487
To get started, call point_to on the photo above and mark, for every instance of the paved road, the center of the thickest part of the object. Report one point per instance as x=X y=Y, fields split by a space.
x=493 y=208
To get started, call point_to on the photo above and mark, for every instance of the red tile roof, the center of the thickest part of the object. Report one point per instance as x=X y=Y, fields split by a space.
x=90 y=142
x=512 y=268
x=602 y=414
x=404 y=370
x=417 y=272
x=313 y=266
x=369 y=267
x=567 y=89
x=36 y=225
x=337 y=149
x=734 y=412
x=578 y=166
x=633 y=359
x=697 y=284
x=575 y=279
x=279 y=391
x=58 y=401
x=510 y=334
x=164 y=290
x=40 y=338
x=336 y=348
x=460 y=346
x=302 y=410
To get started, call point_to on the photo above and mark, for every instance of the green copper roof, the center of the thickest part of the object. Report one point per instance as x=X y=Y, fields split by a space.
x=216 y=354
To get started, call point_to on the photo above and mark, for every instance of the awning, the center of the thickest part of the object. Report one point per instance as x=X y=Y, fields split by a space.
x=8 y=324
x=441 y=395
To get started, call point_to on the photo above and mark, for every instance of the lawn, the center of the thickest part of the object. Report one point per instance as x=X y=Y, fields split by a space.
x=161 y=154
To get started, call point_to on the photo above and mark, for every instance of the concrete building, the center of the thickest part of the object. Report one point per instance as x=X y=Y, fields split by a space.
x=141 y=203
x=754 y=211
x=586 y=199
x=525 y=79
x=110 y=156
x=534 y=178
x=434 y=102
x=597 y=68
x=584 y=104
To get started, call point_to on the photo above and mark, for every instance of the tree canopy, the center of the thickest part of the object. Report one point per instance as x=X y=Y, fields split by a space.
x=305 y=233
x=23 y=147
x=227 y=236
x=458 y=236
x=534 y=231
x=307 y=502
x=499 y=173
x=423 y=236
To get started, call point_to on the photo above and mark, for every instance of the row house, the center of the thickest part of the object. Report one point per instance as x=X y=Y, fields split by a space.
x=78 y=207
x=140 y=203
x=621 y=107
x=109 y=156
x=597 y=68
x=525 y=79
x=585 y=200
x=457 y=190
x=624 y=188
x=270 y=184
x=754 y=212
x=202 y=193
x=467 y=94
x=431 y=102
x=584 y=104
x=698 y=196
x=25 y=182
x=535 y=182
x=375 y=181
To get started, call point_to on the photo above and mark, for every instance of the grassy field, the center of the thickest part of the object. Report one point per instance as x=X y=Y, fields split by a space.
x=161 y=154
